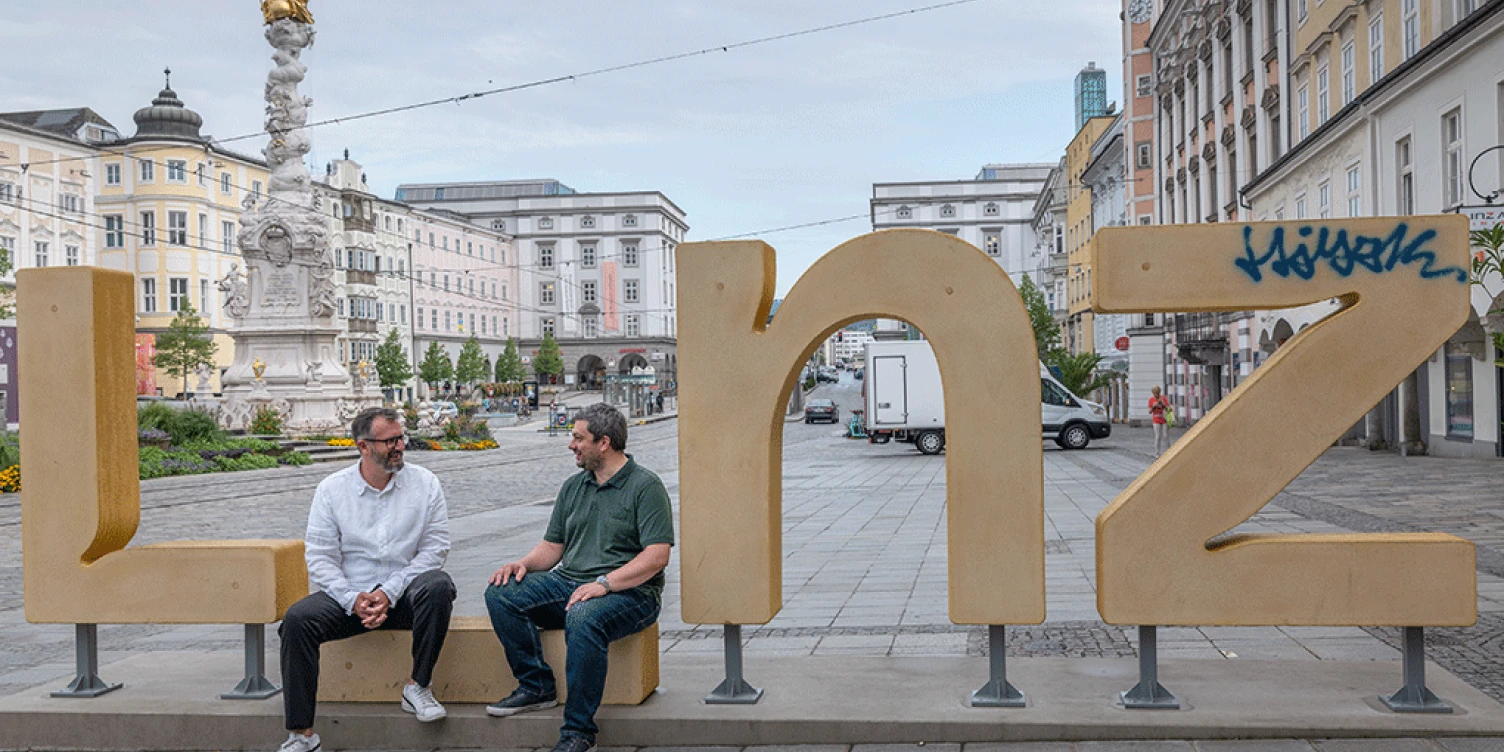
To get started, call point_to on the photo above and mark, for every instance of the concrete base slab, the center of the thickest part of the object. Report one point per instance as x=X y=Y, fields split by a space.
x=169 y=703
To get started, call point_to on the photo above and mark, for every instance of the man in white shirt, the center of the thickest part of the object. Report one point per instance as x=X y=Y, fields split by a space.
x=378 y=536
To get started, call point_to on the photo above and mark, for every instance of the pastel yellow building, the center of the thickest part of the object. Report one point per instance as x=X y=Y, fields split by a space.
x=1079 y=334
x=1340 y=49
x=169 y=204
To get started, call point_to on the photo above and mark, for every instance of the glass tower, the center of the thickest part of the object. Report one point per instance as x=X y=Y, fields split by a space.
x=1091 y=94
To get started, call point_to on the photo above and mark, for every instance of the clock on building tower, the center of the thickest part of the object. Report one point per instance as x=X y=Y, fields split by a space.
x=1139 y=10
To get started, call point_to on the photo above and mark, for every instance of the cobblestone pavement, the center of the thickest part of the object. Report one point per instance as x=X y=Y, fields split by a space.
x=864 y=543
x=1490 y=744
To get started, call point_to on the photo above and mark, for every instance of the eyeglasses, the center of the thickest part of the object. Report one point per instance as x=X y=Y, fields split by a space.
x=399 y=437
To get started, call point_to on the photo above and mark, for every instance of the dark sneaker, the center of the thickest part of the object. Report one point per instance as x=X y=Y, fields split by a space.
x=521 y=701
x=574 y=744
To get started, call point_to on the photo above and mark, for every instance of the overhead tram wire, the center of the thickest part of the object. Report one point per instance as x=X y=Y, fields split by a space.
x=461 y=98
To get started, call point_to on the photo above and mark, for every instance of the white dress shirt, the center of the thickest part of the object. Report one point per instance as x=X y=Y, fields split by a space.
x=359 y=537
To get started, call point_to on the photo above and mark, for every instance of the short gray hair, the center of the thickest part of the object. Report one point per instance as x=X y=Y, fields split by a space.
x=606 y=421
x=360 y=428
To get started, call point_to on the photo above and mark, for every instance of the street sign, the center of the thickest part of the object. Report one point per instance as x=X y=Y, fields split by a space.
x=1482 y=217
x=1122 y=344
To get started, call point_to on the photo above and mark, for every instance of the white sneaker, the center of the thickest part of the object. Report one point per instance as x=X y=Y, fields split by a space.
x=300 y=743
x=419 y=701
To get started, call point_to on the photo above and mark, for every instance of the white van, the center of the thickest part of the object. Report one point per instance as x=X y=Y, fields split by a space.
x=904 y=401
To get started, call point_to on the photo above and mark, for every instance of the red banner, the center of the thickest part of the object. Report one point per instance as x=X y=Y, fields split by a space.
x=146 y=373
x=608 y=296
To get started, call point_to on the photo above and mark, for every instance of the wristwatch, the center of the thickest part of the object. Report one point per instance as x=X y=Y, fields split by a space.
x=603 y=582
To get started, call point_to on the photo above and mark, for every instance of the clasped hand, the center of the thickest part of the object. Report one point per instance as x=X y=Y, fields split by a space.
x=372 y=608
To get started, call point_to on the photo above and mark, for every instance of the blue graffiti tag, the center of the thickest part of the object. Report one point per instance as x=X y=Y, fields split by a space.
x=1343 y=253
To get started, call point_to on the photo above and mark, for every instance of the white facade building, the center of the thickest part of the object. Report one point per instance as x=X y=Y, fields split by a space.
x=596 y=270
x=1105 y=177
x=994 y=212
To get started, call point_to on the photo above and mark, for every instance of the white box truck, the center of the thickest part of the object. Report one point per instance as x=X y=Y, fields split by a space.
x=904 y=401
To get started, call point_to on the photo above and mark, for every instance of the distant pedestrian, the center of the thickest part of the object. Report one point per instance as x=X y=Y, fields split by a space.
x=660 y=402
x=1158 y=408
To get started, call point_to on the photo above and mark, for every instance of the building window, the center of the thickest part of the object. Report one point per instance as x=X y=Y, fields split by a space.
x=634 y=329
x=1300 y=10
x=41 y=249
x=1406 y=192
x=177 y=228
x=227 y=229
x=587 y=289
x=114 y=231
x=1375 y=49
x=548 y=326
x=947 y=211
x=1459 y=392
x=224 y=183
x=1323 y=97
x=70 y=255
x=1271 y=25
x=1144 y=155
x=1465 y=8
x=7 y=193
x=446 y=283
x=1302 y=112
x=545 y=256
x=629 y=254
x=503 y=292
x=591 y=326
x=1349 y=74
x=448 y=320
x=1324 y=199
x=1145 y=85
x=202 y=174
x=1300 y=206
x=203 y=295
x=1354 y=185
x=546 y=223
x=500 y=225
x=402 y=311
x=629 y=291
x=545 y=293
x=112 y=174
x=433 y=319
x=419 y=316
x=177 y=293
x=629 y=220
x=177 y=171
x=148 y=228
x=905 y=212
x=469 y=248
x=1274 y=140
x=203 y=231
x=990 y=210
x=1410 y=26
x=992 y=243
x=148 y=295
x=1451 y=165
x=587 y=256
x=587 y=222
x=148 y=170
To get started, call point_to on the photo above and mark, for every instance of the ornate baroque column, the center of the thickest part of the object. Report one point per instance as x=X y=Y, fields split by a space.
x=286 y=317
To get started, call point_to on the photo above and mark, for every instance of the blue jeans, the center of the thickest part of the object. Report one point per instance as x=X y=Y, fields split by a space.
x=519 y=609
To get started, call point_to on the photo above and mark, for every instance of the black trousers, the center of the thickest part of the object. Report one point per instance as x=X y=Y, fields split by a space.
x=424 y=608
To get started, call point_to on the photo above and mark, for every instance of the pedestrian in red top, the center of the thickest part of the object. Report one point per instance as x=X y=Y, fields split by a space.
x=1158 y=407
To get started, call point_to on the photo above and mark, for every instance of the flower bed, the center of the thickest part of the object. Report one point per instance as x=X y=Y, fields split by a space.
x=341 y=442
x=210 y=456
x=440 y=445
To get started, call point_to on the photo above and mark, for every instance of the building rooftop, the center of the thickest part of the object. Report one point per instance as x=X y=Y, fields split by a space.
x=69 y=123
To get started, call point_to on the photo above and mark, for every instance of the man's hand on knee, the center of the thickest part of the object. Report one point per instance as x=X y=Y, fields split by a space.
x=508 y=572
x=584 y=593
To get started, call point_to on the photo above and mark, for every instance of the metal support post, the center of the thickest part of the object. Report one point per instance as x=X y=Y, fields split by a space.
x=997 y=692
x=1414 y=697
x=86 y=649
x=255 y=685
x=1148 y=693
x=734 y=690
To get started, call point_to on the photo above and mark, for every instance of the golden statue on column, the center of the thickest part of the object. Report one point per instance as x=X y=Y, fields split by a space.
x=276 y=10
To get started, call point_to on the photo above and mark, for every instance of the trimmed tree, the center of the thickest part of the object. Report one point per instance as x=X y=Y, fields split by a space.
x=392 y=368
x=435 y=368
x=509 y=368
x=1046 y=331
x=470 y=369
x=185 y=345
x=549 y=361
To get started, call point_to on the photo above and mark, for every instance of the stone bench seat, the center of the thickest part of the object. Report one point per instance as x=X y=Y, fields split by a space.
x=472 y=667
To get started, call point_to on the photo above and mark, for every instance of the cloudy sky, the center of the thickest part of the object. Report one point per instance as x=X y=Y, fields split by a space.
x=761 y=137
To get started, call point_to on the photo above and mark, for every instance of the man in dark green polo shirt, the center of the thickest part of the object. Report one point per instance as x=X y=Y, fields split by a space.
x=598 y=574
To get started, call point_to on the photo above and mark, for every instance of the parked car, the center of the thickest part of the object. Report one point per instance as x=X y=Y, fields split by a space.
x=442 y=409
x=827 y=375
x=822 y=409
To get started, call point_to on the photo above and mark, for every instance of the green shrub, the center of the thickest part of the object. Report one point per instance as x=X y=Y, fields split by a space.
x=10 y=450
x=296 y=458
x=267 y=422
x=154 y=415
x=245 y=462
x=191 y=425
